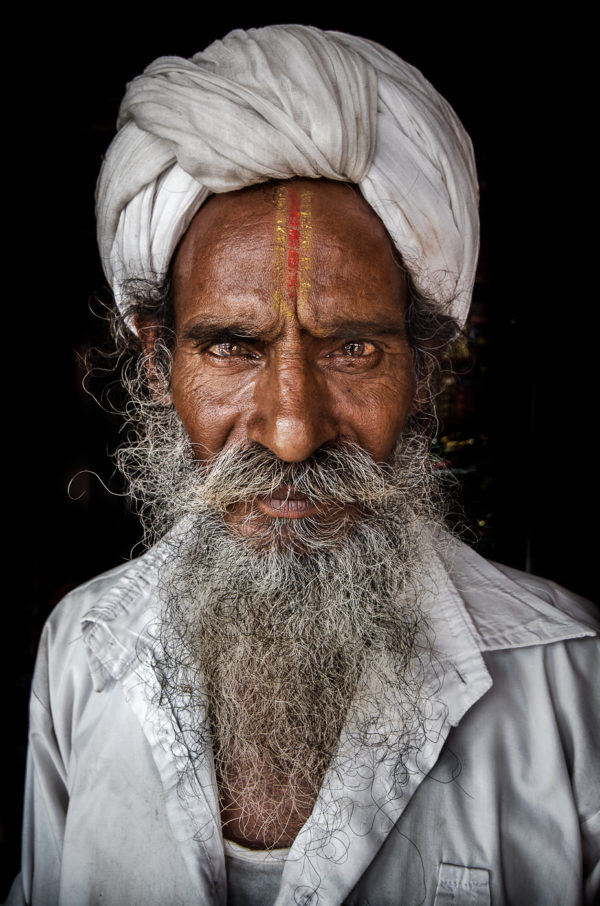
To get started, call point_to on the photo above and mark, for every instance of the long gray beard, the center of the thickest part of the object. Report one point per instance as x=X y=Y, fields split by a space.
x=272 y=637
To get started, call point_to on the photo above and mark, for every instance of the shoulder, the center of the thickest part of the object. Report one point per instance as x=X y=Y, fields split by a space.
x=540 y=645
x=80 y=638
x=123 y=588
x=65 y=620
x=511 y=609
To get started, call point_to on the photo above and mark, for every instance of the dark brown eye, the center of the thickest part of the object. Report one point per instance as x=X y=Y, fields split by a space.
x=354 y=349
x=226 y=349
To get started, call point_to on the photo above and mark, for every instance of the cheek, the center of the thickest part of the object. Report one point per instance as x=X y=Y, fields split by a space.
x=208 y=406
x=375 y=414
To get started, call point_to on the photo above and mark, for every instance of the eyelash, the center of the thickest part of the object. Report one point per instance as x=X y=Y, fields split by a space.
x=246 y=353
x=363 y=343
x=227 y=343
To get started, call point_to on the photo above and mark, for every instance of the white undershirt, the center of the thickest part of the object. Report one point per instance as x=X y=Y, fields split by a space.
x=253 y=875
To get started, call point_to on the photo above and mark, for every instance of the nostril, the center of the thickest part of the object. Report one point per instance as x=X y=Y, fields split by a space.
x=291 y=409
x=292 y=437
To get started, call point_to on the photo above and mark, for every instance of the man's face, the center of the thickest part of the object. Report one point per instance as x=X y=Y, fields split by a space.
x=290 y=328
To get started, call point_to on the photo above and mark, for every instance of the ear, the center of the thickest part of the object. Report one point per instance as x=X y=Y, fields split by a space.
x=151 y=337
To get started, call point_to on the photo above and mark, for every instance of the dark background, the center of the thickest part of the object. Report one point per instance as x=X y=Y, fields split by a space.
x=522 y=434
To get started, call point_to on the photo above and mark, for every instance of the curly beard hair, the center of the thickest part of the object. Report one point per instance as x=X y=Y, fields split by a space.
x=267 y=639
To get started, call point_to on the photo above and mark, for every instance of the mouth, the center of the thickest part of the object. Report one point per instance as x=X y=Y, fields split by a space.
x=286 y=503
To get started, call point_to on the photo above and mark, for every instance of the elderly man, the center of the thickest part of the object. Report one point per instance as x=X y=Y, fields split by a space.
x=306 y=691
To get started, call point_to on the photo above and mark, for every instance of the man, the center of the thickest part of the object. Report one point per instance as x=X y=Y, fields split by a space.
x=305 y=691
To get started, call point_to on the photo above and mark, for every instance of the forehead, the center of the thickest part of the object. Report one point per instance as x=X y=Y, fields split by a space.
x=302 y=247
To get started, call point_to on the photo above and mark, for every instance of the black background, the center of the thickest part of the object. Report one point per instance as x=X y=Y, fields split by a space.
x=516 y=83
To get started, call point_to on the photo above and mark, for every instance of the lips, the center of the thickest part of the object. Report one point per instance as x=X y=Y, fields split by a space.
x=285 y=503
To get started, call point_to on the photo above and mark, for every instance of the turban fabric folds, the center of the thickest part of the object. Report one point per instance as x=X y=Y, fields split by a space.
x=284 y=101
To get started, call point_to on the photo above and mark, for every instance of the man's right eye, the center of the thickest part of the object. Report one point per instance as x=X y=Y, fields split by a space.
x=229 y=349
x=226 y=349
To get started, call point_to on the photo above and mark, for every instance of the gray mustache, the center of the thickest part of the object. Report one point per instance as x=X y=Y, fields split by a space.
x=341 y=473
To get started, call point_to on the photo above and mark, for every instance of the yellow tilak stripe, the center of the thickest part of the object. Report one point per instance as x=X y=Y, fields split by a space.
x=305 y=249
x=280 y=251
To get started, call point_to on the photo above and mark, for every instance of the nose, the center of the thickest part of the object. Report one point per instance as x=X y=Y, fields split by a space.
x=292 y=414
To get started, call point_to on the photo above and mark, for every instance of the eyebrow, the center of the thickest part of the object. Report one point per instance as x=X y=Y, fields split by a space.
x=240 y=330
x=357 y=329
x=207 y=330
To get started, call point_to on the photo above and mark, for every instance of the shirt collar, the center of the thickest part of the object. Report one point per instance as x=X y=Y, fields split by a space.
x=472 y=605
x=511 y=609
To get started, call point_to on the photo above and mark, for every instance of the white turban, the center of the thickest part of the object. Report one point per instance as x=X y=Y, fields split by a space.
x=284 y=101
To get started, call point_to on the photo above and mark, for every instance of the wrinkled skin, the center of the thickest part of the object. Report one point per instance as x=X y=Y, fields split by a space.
x=333 y=363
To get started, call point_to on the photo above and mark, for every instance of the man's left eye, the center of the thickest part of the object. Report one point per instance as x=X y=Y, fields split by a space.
x=357 y=348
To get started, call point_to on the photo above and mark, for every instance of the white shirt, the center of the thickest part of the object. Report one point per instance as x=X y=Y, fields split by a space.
x=502 y=805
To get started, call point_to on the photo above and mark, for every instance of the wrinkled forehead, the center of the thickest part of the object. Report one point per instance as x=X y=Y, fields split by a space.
x=311 y=250
x=291 y=225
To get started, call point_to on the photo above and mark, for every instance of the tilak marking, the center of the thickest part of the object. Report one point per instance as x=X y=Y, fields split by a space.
x=293 y=231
